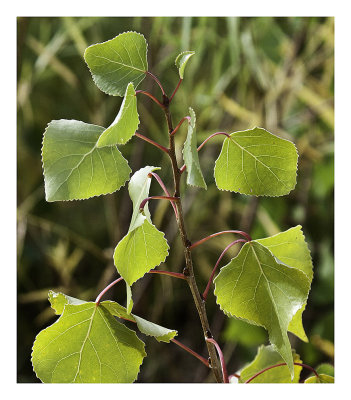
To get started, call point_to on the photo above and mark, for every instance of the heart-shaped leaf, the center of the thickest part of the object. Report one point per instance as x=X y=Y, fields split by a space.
x=117 y=62
x=255 y=162
x=74 y=167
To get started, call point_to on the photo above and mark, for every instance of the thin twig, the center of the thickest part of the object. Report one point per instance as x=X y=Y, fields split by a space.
x=280 y=365
x=139 y=135
x=242 y=233
x=151 y=97
x=205 y=293
x=202 y=359
x=170 y=198
x=224 y=368
x=169 y=273
x=163 y=186
x=175 y=90
x=157 y=81
x=179 y=125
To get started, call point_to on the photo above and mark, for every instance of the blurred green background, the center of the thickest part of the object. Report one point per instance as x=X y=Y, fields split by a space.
x=277 y=73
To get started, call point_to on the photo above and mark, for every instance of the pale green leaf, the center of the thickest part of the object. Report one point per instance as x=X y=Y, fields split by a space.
x=87 y=345
x=59 y=300
x=323 y=378
x=291 y=248
x=266 y=357
x=255 y=162
x=74 y=167
x=256 y=287
x=182 y=60
x=140 y=250
x=191 y=156
x=126 y=123
x=129 y=299
x=115 y=63
x=150 y=329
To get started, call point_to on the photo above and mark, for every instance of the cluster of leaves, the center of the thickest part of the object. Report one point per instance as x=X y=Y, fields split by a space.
x=266 y=284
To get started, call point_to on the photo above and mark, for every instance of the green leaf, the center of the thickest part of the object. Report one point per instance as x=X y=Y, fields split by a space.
x=291 y=248
x=182 y=60
x=150 y=329
x=140 y=250
x=117 y=62
x=266 y=357
x=87 y=345
x=59 y=300
x=326 y=369
x=129 y=299
x=191 y=156
x=126 y=123
x=138 y=188
x=323 y=378
x=256 y=287
x=74 y=167
x=255 y=162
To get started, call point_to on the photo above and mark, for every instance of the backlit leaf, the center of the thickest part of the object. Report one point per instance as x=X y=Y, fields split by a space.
x=126 y=123
x=191 y=156
x=255 y=162
x=87 y=345
x=117 y=62
x=256 y=287
x=291 y=248
x=182 y=60
x=322 y=378
x=266 y=357
x=150 y=329
x=59 y=300
x=74 y=167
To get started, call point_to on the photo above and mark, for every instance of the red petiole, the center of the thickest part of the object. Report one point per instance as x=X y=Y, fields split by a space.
x=221 y=358
x=170 y=198
x=163 y=186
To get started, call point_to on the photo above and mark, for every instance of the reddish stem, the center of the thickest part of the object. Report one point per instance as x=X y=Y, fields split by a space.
x=182 y=169
x=175 y=90
x=169 y=273
x=205 y=293
x=170 y=198
x=163 y=186
x=280 y=365
x=139 y=135
x=236 y=376
x=157 y=81
x=98 y=299
x=221 y=358
x=179 y=125
x=151 y=97
x=202 y=359
x=242 y=233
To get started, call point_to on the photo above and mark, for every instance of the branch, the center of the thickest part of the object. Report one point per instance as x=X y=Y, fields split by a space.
x=224 y=368
x=170 y=198
x=242 y=233
x=163 y=186
x=280 y=365
x=164 y=149
x=205 y=293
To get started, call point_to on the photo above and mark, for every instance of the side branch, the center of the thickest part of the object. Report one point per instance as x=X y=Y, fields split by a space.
x=159 y=146
x=170 y=198
x=242 y=233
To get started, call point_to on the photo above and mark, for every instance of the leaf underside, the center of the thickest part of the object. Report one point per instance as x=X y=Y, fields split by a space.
x=191 y=156
x=126 y=123
x=87 y=345
x=255 y=162
x=74 y=167
x=256 y=287
x=117 y=62
x=266 y=357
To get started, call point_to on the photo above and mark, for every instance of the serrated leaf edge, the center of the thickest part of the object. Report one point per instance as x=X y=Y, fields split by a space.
x=258 y=195
x=43 y=167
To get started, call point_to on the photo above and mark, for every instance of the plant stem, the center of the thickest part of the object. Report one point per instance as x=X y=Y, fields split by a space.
x=139 y=135
x=188 y=270
x=98 y=299
x=163 y=186
x=179 y=125
x=205 y=293
x=151 y=97
x=280 y=365
x=202 y=359
x=170 y=198
x=157 y=81
x=242 y=233
x=224 y=368
x=169 y=273
x=175 y=90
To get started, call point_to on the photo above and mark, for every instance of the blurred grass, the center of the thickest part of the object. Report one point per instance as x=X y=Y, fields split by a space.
x=277 y=73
